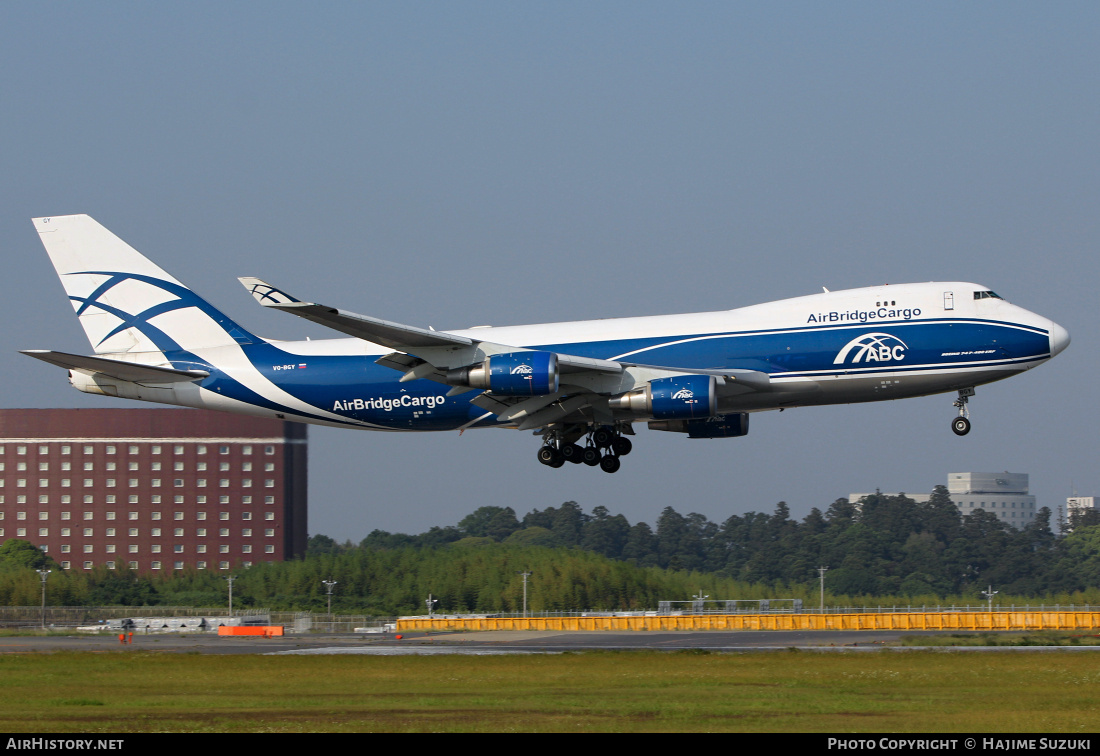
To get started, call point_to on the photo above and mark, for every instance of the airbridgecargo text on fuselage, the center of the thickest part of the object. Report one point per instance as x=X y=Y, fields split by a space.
x=427 y=402
x=862 y=316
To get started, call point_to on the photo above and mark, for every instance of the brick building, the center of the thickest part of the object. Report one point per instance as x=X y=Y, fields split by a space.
x=157 y=489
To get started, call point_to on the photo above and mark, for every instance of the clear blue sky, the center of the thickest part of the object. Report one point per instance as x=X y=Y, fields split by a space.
x=466 y=163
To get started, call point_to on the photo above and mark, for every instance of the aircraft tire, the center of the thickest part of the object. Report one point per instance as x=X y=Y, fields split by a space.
x=572 y=453
x=622 y=446
x=610 y=464
x=603 y=437
x=591 y=456
x=960 y=426
x=547 y=455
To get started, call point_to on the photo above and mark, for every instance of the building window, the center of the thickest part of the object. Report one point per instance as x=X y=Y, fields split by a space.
x=178 y=532
x=133 y=532
x=156 y=515
x=87 y=532
x=132 y=549
x=223 y=532
x=178 y=482
x=43 y=515
x=155 y=548
x=65 y=548
x=223 y=565
x=200 y=515
x=132 y=516
x=111 y=548
x=110 y=448
x=110 y=532
x=87 y=548
x=269 y=449
x=223 y=450
x=155 y=449
x=223 y=549
x=223 y=483
x=269 y=532
x=87 y=565
x=223 y=515
x=269 y=549
x=177 y=449
x=156 y=565
x=246 y=515
x=177 y=515
x=200 y=449
x=155 y=533
x=133 y=482
x=201 y=532
x=133 y=450
x=177 y=466
x=87 y=515
x=177 y=549
x=43 y=532
x=201 y=548
x=65 y=565
x=246 y=549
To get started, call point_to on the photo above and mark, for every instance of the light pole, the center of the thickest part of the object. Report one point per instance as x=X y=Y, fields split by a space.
x=821 y=575
x=230 y=578
x=43 y=574
x=329 y=584
x=431 y=602
x=526 y=574
x=989 y=593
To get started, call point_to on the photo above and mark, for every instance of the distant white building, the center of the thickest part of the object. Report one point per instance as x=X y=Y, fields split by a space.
x=1004 y=494
x=1080 y=503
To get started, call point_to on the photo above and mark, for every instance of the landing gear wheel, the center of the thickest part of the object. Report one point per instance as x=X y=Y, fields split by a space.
x=610 y=464
x=591 y=456
x=621 y=446
x=961 y=426
x=572 y=453
x=551 y=457
x=603 y=436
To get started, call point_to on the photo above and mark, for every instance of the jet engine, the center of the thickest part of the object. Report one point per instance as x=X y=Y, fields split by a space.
x=722 y=426
x=685 y=397
x=512 y=374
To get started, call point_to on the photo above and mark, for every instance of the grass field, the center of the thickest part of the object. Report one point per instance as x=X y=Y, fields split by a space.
x=785 y=691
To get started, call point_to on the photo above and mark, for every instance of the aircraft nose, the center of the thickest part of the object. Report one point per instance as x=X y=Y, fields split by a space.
x=1059 y=338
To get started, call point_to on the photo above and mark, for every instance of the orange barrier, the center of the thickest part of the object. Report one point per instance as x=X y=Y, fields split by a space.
x=1009 y=620
x=267 y=631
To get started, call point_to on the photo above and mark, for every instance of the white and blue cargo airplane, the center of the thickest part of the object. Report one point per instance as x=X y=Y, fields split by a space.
x=580 y=385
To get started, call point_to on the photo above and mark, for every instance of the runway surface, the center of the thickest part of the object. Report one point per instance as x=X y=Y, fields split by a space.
x=497 y=642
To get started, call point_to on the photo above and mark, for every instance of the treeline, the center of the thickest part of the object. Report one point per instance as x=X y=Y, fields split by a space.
x=888 y=550
x=885 y=546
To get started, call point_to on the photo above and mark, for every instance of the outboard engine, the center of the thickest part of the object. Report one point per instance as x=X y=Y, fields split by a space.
x=722 y=426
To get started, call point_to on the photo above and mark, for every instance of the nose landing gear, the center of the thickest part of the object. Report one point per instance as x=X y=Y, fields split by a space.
x=961 y=424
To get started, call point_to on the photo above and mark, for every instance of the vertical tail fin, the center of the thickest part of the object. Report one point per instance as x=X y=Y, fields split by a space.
x=125 y=302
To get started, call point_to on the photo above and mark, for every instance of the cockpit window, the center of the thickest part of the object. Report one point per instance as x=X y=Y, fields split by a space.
x=987 y=295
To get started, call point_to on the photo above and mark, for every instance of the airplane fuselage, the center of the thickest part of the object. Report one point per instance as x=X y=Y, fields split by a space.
x=859 y=345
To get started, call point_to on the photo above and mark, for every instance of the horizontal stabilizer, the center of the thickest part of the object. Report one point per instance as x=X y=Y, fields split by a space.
x=123 y=371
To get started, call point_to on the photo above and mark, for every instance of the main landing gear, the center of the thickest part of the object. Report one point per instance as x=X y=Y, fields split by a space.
x=961 y=424
x=604 y=446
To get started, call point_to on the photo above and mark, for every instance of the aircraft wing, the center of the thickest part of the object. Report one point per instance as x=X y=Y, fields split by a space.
x=586 y=382
x=403 y=338
x=124 y=371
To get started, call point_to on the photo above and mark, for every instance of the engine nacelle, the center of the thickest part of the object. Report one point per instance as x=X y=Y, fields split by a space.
x=722 y=426
x=512 y=374
x=686 y=397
